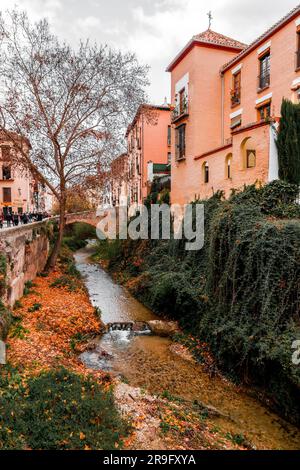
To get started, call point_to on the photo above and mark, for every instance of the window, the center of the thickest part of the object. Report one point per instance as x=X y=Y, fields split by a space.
x=139 y=138
x=298 y=51
x=264 y=71
x=169 y=158
x=182 y=101
x=236 y=122
x=236 y=89
x=6 y=172
x=7 y=195
x=228 y=166
x=5 y=151
x=180 y=142
x=264 y=112
x=169 y=136
x=205 y=172
x=251 y=158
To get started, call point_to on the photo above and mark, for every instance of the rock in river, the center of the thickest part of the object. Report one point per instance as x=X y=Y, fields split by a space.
x=163 y=328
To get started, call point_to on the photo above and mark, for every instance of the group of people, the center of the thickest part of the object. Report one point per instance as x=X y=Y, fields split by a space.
x=13 y=219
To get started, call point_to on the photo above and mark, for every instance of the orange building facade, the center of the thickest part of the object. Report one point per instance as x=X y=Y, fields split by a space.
x=19 y=191
x=148 y=140
x=226 y=105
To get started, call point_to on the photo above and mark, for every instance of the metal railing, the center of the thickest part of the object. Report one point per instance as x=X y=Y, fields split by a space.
x=264 y=80
x=181 y=109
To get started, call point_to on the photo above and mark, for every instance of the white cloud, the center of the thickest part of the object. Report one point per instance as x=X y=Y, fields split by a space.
x=155 y=29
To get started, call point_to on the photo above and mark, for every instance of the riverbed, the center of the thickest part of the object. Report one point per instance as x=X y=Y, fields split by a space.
x=146 y=361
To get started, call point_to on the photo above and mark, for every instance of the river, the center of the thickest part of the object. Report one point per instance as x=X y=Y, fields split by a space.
x=146 y=361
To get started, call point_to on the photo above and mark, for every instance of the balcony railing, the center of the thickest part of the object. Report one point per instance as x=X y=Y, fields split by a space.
x=180 y=110
x=236 y=96
x=264 y=80
x=298 y=59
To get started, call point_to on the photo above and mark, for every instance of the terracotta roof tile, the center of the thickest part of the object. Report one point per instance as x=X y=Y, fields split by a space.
x=211 y=37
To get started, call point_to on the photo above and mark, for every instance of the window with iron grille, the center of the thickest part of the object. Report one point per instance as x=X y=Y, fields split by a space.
x=264 y=78
x=180 y=142
x=169 y=136
x=236 y=89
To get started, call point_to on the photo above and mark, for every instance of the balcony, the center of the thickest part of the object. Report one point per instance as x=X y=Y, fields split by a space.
x=235 y=97
x=264 y=80
x=298 y=60
x=181 y=110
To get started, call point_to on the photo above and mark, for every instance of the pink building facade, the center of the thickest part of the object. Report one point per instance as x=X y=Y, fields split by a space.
x=227 y=98
x=18 y=190
x=148 y=140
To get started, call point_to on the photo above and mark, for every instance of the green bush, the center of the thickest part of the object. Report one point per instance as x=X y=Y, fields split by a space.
x=35 y=307
x=57 y=410
x=66 y=411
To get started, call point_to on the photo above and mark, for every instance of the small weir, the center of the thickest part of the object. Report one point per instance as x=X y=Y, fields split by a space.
x=135 y=327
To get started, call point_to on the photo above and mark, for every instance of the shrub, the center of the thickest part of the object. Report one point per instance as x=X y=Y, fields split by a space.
x=66 y=411
x=65 y=281
x=288 y=143
x=35 y=307
x=58 y=410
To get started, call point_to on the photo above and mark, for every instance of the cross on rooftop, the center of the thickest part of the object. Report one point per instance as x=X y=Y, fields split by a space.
x=210 y=18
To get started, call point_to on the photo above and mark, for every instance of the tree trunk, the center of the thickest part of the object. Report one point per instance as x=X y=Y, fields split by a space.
x=57 y=246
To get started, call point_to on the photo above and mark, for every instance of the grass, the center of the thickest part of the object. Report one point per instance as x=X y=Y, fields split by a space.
x=17 y=330
x=35 y=308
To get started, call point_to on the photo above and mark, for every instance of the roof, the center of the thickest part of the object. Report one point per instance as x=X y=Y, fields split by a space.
x=217 y=39
x=208 y=38
x=280 y=24
x=146 y=107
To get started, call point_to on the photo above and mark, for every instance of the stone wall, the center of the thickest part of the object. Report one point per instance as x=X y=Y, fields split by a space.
x=26 y=250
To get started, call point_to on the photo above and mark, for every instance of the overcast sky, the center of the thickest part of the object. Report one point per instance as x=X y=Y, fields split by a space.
x=155 y=29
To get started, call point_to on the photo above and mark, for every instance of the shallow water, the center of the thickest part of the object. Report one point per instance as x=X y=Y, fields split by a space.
x=146 y=361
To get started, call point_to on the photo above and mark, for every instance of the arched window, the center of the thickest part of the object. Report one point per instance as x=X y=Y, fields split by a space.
x=248 y=153
x=205 y=172
x=228 y=166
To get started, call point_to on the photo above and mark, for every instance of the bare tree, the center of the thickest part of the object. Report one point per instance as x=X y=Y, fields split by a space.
x=72 y=105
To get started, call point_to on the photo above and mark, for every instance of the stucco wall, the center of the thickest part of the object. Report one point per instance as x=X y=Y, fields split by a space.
x=26 y=249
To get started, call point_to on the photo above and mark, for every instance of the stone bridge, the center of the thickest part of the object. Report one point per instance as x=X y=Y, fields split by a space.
x=89 y=217
x=24 y=252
